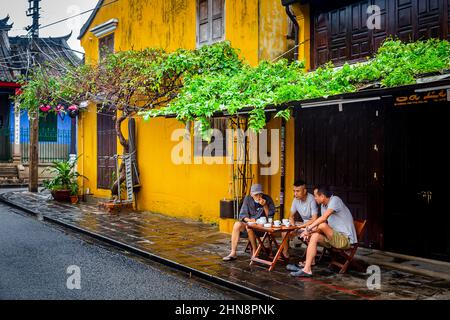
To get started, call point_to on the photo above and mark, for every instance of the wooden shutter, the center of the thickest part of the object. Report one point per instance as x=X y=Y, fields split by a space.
x=106 y=46
x=106 y=149
x=210 y=21
x=340 y=33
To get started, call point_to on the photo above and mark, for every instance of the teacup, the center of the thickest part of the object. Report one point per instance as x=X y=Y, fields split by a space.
x=286 y=223
x=277 y=223
x=285 y=220
x=263 y=219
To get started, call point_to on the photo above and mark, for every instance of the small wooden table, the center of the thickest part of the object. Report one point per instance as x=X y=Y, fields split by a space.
x=270 y=234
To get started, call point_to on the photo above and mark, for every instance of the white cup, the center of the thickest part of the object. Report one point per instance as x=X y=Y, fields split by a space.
x=285 y=220
x=277 y=223
x=286 y=223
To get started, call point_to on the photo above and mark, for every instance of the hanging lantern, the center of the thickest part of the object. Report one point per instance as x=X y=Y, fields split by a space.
x=73 y=111
x=45 y=108
x=60 y=111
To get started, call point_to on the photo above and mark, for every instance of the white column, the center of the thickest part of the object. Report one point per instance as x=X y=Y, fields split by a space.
x=17 y=157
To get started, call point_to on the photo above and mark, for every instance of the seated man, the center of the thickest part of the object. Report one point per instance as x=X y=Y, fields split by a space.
x=303 y=204
x=339 y=232
x=254 y=206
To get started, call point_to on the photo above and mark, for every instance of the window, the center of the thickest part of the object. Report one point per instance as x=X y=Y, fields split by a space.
x=217 y=147
x=210 y=21
x=105 y=46
x=48 y=128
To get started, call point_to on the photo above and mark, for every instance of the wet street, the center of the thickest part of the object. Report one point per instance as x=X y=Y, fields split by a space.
x=36 y=258
x=197 y=247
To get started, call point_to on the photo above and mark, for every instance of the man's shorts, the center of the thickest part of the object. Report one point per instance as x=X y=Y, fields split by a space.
x=338 y=241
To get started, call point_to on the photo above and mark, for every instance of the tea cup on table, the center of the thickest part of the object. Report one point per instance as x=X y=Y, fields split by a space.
x=277 y=223
x=263 y=219
x=286 y=223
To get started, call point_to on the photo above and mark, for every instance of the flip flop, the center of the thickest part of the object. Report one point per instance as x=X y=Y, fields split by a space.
x=301 y=273
x=229 y=258
x=293 y=267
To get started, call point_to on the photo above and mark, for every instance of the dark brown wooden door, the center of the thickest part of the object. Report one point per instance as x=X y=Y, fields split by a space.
x=341 y=149
x=5 y=133
x=340 y=32
x=417 y=173
x=106 y=149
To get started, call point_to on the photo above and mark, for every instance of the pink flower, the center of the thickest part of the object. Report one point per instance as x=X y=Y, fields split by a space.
x=72 y=108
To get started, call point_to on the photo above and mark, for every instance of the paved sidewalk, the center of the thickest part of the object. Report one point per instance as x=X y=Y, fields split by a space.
x=200 y=247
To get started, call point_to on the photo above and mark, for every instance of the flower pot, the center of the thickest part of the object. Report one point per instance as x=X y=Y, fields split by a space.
x=61 y=195
x=74 y=199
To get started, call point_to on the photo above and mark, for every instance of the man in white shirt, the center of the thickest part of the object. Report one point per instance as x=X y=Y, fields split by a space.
x=305 y=206
x=335 y=228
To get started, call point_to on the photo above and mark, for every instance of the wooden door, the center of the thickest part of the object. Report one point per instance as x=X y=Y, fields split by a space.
x=417 y=171
x=5 y=132
x=106 y=149
x=341 y=149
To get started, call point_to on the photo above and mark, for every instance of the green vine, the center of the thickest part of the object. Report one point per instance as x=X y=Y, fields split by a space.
x=395 y=64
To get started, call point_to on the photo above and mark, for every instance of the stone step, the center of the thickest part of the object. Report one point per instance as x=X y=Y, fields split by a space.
x=8 y=171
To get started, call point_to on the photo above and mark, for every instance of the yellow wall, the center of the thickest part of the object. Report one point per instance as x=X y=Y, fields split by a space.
x=258 y=29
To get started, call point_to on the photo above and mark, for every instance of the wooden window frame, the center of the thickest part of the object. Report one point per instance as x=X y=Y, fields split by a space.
x=210 y=20
x=199 y=149
x=102 y=43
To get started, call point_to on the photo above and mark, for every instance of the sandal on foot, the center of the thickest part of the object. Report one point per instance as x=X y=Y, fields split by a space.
x=293 y=267
x=301 y=273
x=229 y=258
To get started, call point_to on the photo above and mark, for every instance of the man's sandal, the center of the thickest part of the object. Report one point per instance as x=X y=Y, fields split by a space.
x=229 y=258
x=301 y=273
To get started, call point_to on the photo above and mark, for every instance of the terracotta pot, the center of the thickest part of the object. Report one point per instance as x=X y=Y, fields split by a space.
x=74 y=199
x=61 y=195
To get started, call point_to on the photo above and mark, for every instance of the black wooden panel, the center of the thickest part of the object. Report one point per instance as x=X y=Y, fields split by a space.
x=340 y=34
x=336 y=148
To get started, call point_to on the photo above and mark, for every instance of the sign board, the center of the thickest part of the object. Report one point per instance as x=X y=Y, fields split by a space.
x=422 y=97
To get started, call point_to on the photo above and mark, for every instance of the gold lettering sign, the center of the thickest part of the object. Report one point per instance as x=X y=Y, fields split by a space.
x=420 y=98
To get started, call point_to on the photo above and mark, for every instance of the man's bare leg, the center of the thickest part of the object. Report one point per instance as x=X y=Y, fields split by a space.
x=286 y=248
x=252 y=239
x=311 y=251
x=237 y=229
x=324 y=231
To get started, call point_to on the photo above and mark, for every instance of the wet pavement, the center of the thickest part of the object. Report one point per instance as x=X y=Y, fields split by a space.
x=201 y=247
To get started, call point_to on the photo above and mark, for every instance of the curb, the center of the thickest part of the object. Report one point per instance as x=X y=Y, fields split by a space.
x=405 y=268
x=170 y=263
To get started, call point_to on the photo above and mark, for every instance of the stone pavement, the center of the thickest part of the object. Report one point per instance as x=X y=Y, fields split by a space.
x=201 y=247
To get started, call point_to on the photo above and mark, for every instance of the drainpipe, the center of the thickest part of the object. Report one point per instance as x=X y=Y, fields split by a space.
x=291 y=16
x=286 y=4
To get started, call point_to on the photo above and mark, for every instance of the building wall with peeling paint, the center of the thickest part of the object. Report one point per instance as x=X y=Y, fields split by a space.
x=258 y=28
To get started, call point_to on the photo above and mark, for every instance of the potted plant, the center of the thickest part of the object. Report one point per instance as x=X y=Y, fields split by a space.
x=74 y=192
x=62 y=184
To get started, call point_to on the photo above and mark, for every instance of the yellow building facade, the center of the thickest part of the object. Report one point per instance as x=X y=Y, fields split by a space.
x=258 y=28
